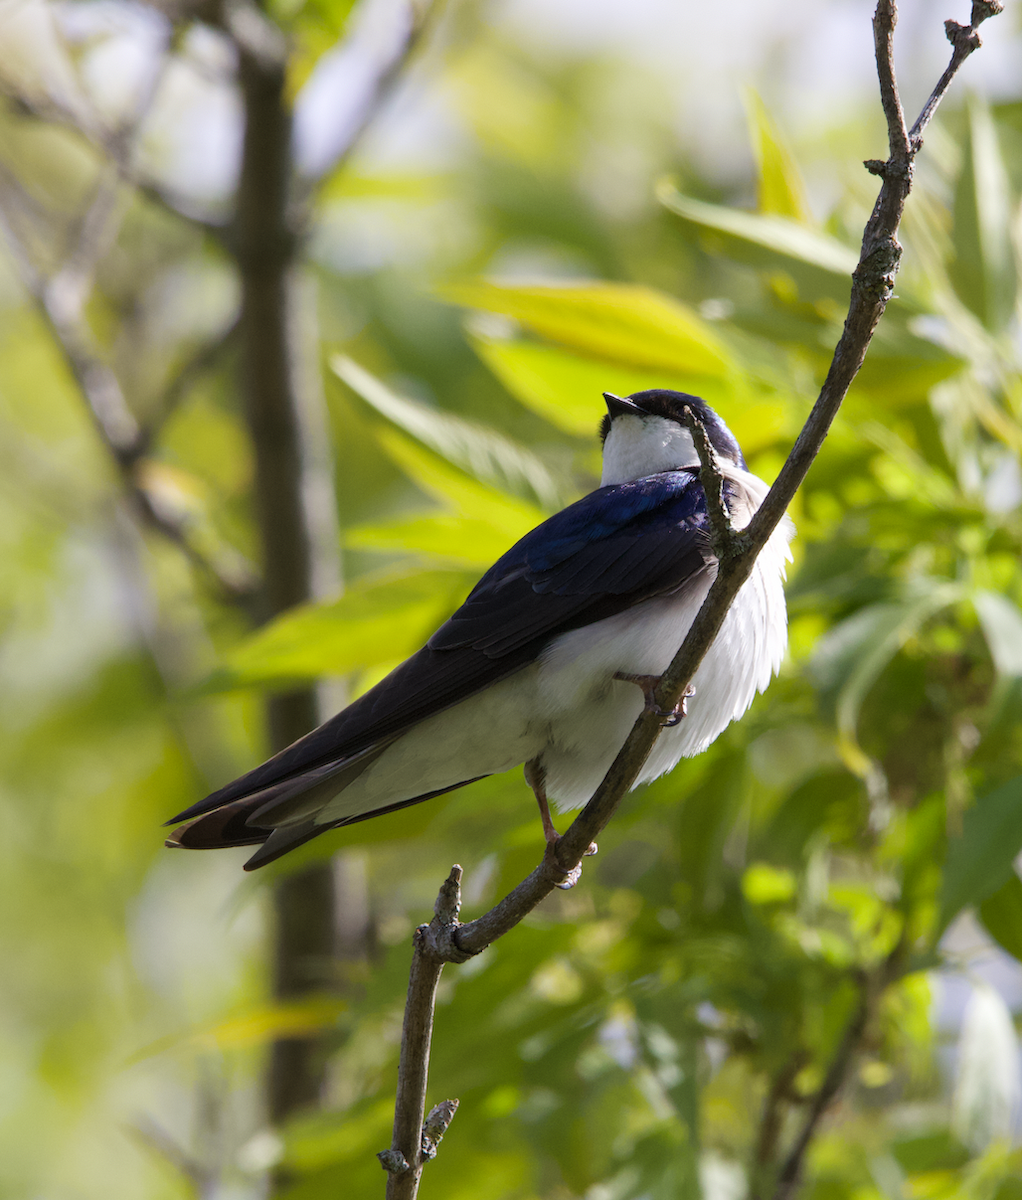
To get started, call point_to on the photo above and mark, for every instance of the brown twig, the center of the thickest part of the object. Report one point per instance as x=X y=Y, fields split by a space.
x=964 y=39
x=872 y=287
x=422 y=15
x=721 y=532
x=60 y=300
x=433 y=946
x=872 y=985
x=183 y=379
x=772 y=1117
x=837 y=1073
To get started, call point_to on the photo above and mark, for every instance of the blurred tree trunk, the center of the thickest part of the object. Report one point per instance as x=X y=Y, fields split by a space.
x=271 y=381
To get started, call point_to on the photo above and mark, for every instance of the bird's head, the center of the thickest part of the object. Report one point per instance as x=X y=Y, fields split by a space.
x=645 y=433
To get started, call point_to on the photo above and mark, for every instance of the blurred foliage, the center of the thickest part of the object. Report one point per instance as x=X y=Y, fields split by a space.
x=662 y=1030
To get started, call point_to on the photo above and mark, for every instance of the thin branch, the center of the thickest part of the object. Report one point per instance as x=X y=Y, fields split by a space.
x=791 y=1172
x=422 y=15
x=872 y=986
x=434 y=946
x=111 y=143
x=60 y=301
x=722 y=533
x=964 y=39
x=885 y=18
x=158 y=1141
x=772 y=1117
x=181 y=382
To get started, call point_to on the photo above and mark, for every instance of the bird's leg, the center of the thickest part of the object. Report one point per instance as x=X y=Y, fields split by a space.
x=535 y=777
x=648 y=684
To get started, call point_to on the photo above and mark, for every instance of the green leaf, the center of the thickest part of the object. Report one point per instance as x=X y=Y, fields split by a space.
x=255 y=1026
x=781 y=190
x=376 y=621
x=1001 y=915
x=1002 y=627
x=460 y=492
x=452 y=539
x=565 y=389
x=316 y=1139
x=983 y=270
x=849 y=659
x=815 y=260
x=477 y=449
x=979 y=861
x=616 y=322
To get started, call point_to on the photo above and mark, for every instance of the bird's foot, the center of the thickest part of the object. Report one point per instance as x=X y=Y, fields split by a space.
x=575 y=874
x=535 y=776
x=648 y=684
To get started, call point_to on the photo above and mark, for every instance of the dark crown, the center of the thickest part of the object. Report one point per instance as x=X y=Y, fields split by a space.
x=660 y=402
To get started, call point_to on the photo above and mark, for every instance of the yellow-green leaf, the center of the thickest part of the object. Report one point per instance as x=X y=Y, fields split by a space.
x=815 y=260
x=458 y=491
x=781 y=190
x=1001 y=915
x=452 y=539
x=256 y=1026
x=376 y=621
x=618 y=322
x=477 y=449
x=565 y=388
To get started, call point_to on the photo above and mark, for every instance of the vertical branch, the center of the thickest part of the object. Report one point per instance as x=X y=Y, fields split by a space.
x=266 y=251
x=416 y=1137
x=790 y=1174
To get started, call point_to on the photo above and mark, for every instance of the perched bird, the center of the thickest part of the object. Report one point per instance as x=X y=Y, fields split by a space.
x=551 y=658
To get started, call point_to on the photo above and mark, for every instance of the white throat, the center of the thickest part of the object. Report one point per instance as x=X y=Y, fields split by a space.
x=640 y=446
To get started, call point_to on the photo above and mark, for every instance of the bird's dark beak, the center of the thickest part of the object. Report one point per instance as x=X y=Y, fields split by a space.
x=621 y=407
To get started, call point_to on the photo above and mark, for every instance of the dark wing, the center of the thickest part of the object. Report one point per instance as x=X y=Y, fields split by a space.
x=610 y=550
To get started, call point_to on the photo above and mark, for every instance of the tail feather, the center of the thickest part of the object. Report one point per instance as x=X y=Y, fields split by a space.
x=228 y=826
x=272 y=818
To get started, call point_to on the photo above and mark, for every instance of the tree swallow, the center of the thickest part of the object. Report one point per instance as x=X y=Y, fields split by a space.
x=551 y=658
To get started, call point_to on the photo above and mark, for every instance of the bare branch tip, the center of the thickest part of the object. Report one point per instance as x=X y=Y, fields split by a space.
x=982 y=9
x=448 y=901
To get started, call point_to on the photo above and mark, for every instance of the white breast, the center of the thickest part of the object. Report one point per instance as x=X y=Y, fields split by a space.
x=590 y=714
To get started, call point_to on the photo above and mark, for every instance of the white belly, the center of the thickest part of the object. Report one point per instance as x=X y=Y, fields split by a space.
x=584 y=738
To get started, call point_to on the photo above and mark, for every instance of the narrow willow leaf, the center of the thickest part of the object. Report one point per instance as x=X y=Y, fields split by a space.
x=316 y=1139
x=781 y=190
x=1002 y=627
x=979 y=861
x=849 y=660
x=565 y=389
x=458 y=491
x=1001 y=915
x=983 y=271
x=452 y=539
x=815 y=260
x=928 y=483
x=256 y=1026
x=482 y=452
x=988 y=1088
x=376 y=621
x=617 y=322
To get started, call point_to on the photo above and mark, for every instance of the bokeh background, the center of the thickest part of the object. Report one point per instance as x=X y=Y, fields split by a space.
x=546 y=200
